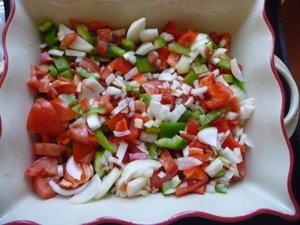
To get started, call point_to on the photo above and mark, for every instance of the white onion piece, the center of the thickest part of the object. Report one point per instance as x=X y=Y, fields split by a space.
x=75 y=53
x=121 y=133
x=231 y=115
x=186 y=89
x=199 y=91
x=214 y=167
x=66 y=192
x=246 y=110
x=91 y=88
x=135 y=185
x=112 y=91
x=218 y=52
x=110 y=79
x=60 y=170
x=145 y=48
x=121 y=150
x=73 y=169
x=148 y=137
x=189 y=102
x=93 y=121
x=185 y=151
x=89 y=192
x=56 y=52
x=107 y=182
x=235 y=68
x=187 y=162
x=232 y=156
x=177 y=112
x=183 y=65
x=121 y=105
x=43 y=45
x=157 y=97
x=131 y=73
x=208 y=136
x=167 y=37
x=221 y=79
x=130 y=57
x=81 y=45
x=148 y=34
x=138 y=123
x=135 y=28
x=161 y=174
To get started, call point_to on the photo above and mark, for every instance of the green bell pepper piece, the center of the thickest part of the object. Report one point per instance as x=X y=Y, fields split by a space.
x=209 y=117
x=67 y=74
x=199 y=61
x=190 y=77
x=159 y=42
x=173 y=47
x=200 y=69
x=132 y=88
x=153 y=130
x=53 y=70
x=143 y=65
x=152 y=151
x=114 y=51
x=240 y=84
x=185 y=116
x=77 y=108
x=221 y=188
x=61 y=64
x=86 y=74
x=104 y=142
x=146 y=98
x=50 y=38
x=85 y=34
x=98 y=110
x=197 y=113
x=169 y=129
x=221 y=173
x=211 y=45
x=169 y=187
x=68 y=98
x=225 y=62
x=98 y=164
x=228 y=78
x=128 y=44
x=44 y=27
x=175 y=143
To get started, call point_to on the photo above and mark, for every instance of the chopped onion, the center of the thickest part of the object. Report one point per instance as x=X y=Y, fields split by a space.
x=186 y=89
x=175 y=85
x=215 y=61
x=73 y=169
x=187 y=162
x=135 y=28
x=81 y=45
x=113 y=160
x=208 y=136
x=112 y=91
x=121 y=150
x=75 y=53
x=183 y=65
x=234 y=157
x=221 y=79
x=149 y=123
x=246 y=110
x=167 y=75
x=218 y=52
x=231 y=115
x=66 y=192
x=90 y=88
x=189 y=102
x=177 y=112
x=107 y=182
x=138 y=123
x=196 y=84
x=145 y=48
x=56 y=52
x=185 y=151
x=60 y=170
x=148 y=34
x=134 y=186
x=130 y=57
x=157 y=97
x=199 y=91
x=177 y=93
x=79 y=121
x=136 y=156
x=121 y=133
x=131 y=73
x=110 y=79
x=43 y=45
x=148 y=137
x=121 y=105
x=161 y=174
x=214 y=167
x=210 y=188
x=167 y=37
x=93 y=121
x=216 y=72
x=235 y=68
x=89 y=192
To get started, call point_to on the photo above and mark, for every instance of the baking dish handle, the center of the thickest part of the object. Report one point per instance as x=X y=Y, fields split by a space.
x=291 y=119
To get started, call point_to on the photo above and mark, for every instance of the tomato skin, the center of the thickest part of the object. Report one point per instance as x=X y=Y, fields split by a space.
x=82 y=134
x=189 y=137
x=65 y=112
x=187 y=38
x=101 y=47
x=133 y=136
x=231 y=143
x=214 y=37
x=43 y=118
x=197 y=144
x=140 y=78
x=192 y=127
x=68 y=39
x=111 y=123
x=121 y=126
x=66 y=89
x=42 y=187
x=33 y=83
x=105 y=35
x=163 y=53
x=83 y=153
x=172 y=59
x=96 y=25
x=64 y=137
x=105 y=101
x=89 y=65
x=121 y=65
x=105 y=72
x=167 y=99
x=168 y=162
x=196 y=173
x=45 y=166
x=48 y=149
x=180 y=191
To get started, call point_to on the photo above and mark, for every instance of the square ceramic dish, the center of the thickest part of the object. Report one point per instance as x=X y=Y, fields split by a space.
x=267 y=185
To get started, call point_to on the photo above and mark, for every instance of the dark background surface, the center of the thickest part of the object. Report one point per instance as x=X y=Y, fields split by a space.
x=273 y=9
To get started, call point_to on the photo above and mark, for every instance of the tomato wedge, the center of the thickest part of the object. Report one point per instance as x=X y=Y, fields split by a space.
x=121 y=65
x=83 y=153
x=121 y=126
x=45 y=166
x=65 y=112
x=42 y=187
x=48 y=149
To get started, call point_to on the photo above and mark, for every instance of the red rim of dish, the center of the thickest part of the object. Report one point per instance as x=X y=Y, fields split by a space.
x=182 y=215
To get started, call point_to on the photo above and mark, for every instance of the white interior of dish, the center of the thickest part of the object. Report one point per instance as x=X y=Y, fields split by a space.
x=265 y=185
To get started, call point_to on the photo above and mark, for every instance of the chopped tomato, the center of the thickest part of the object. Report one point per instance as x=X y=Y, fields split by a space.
x=65 y=112
x=233 y=124
x=163 y=53
x=197 y=144
x=214 y=37
x=207 y=81
x=105 y=102
x=45 y=84
x=151 y=87
x=42 y=187
x=140 y=78
x=64 y=137
x=89 y=64
x=167 y=99
x=139 y=116
x=189 y=137
x=68 y=39
x=171 y=28
x=156 y=182
x=231 y=143
x=111 y=123
x=34 y=83
x=96 y=25
x=121 y=65
x=133 y=136
x=196 y=173
x=45 y=166
x=83 y=153
x=140 y=106
x=200 y=190
x=192 y=127
x=187 y=38
x=173 y=59
x=66 y=89
x=105 y=72
x=235 y=105
x=168 y=162
x=180 y=191
x=43 y=118
x=101 y=47
x=105 y=35
x=121 y=125
x=48 y=149
x=82 y=134
x=221 y=124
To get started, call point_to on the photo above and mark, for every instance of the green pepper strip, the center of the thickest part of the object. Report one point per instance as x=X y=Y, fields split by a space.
x=209 y=117
x=146 y=98
x=128 y=44
x=159 y=42
x=98 y=165
x=67 y=74
x=53 y=70
x=61 y=64
x=169 y=129
x=152 y=150
x=98 y=110
x=85 y=34
x=190 y=77
x=175 y=143
x=185 y=116
x=200 y=69
x=153 y=130
x=104 y=142
x=143 y=65
x=86 y=74
x=225 y=62
x=173 y=47
x=50 y=37
x=114 y=51
x=228 y=78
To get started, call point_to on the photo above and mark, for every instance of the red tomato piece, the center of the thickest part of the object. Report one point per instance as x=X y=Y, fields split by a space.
x=83 y=153
x=48 y=149
x=105 y=35
x=68 y=39
x=111 y=123
x=168 y=162
x=180 y=191
x=43 y=118
x=231 y=143
x=105 y=102
x=187 y=38
x=140 y=106
x=171 y=28
x=45 y=84
x=207 y=81
x=200 y=190
x=66 y=89
x=101 y=47
x=64 y=137
x=121 y=65
x=189 y=137
x=214 y=37
x=173 y=59
x=140 y=78
x=89 y=64
x=105 y=72
x=167 y=99
x=163 y=53
x=96 y=25
x=34 y=83
x=133 y=136
x=150 y=87
x=65 y=112
x=45 y=166
x=221 y=124
x=192 y=127
x=42 y=187
x=121 y=125
x=82 y=134
x=196 y=173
